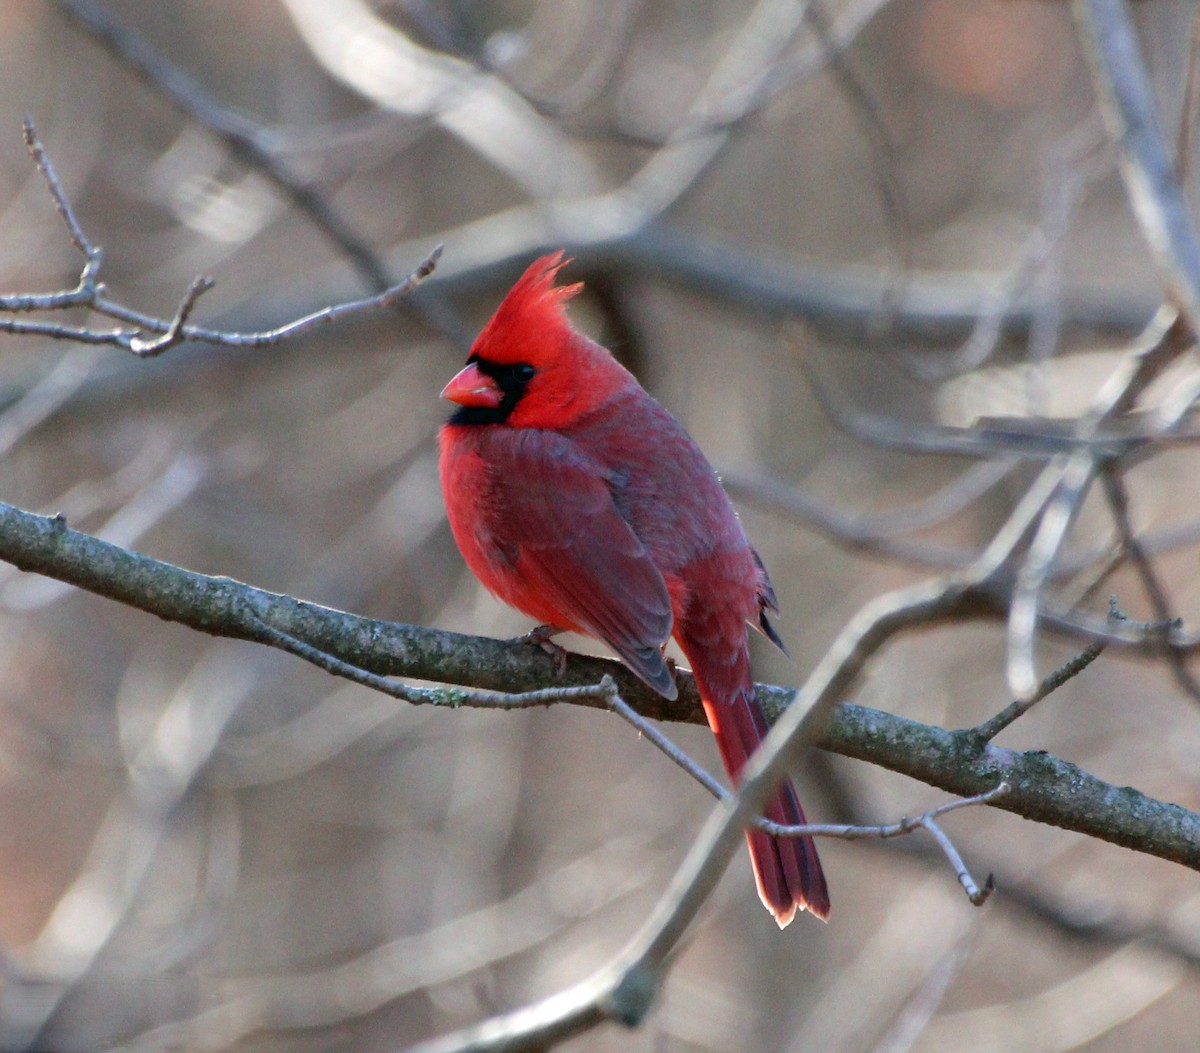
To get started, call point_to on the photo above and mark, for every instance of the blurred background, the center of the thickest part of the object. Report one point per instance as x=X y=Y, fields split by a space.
x=209 y=845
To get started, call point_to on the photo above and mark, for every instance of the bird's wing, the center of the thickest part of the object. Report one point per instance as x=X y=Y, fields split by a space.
x=577 y=550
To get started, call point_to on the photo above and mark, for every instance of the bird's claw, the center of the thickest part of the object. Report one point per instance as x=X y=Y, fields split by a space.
x=542 y=637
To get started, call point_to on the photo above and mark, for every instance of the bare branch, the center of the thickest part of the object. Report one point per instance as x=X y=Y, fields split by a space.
x=400 y=966
x=176 y=330
x=1118 y=501
x=91 y=254
x=846 y=832
x=978 y=896
x=245 y=139
x=947 y=760
x=875 y=532
x=91 y=293
x=1131 y=113
x=174 y=334
x=452 y=697
x=989 y=729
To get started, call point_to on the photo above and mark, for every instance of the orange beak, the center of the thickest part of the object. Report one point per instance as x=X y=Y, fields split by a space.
x=471 y=387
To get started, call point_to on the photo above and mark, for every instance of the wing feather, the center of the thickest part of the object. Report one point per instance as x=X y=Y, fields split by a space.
x=574 y=546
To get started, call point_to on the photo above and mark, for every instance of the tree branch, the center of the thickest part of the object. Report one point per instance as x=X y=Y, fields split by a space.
x=152 y=336
x=1043 y=787
x=1130 y=112
x=245 y=139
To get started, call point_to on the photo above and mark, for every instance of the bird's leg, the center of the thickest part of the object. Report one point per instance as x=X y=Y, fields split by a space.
x=542 y=637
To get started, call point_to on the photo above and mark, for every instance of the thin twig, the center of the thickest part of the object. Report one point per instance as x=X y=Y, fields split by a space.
x=978 y=896
x=1118 y=502
x=454 y=697
x=843 y=831
x=989 y=729
x=90 y=292
x=627 y=713
x=92 y=255
x=1044 y=788
x=174 y=334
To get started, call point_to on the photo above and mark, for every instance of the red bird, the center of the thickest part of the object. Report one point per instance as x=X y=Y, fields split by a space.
x=579 y=500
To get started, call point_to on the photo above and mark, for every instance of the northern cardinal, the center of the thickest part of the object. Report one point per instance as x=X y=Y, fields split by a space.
x=578 y=499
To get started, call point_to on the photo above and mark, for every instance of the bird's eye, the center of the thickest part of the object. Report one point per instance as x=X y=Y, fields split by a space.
x=524 y=372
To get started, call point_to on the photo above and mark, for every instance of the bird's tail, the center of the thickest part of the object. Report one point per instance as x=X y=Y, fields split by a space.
x=786 y=869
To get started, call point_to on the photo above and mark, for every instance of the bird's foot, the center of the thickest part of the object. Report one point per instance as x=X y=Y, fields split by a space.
x=542 y=637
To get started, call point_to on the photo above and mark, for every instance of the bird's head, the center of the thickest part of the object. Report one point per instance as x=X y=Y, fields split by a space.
x=528 y=368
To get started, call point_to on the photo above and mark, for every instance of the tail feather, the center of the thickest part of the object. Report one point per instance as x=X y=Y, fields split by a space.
x=786 y=869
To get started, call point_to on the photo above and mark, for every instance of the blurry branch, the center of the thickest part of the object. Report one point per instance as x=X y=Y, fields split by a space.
x=1070 y=475
x=923 y=1004
x=729 y=95
x=623 y=229
x=1107 y=433
x=627 y=229
x=159 y=777
x=377 y=60
x=885 y=165
x=1101 y=441
x=580 y=79
x=1044 y=788
x=625 y=989
x=1075 y=163
x=611 y=224
x=40 y=401
x=1133 y=551
x=844 y=302
x=875 y=532
x=245 y=139
x=843 y=831
x=152 y=336
x=351 y=989
x=758 y=66
x=1130 y=111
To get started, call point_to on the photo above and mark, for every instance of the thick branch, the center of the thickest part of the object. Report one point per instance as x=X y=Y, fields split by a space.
x=1043 y=787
